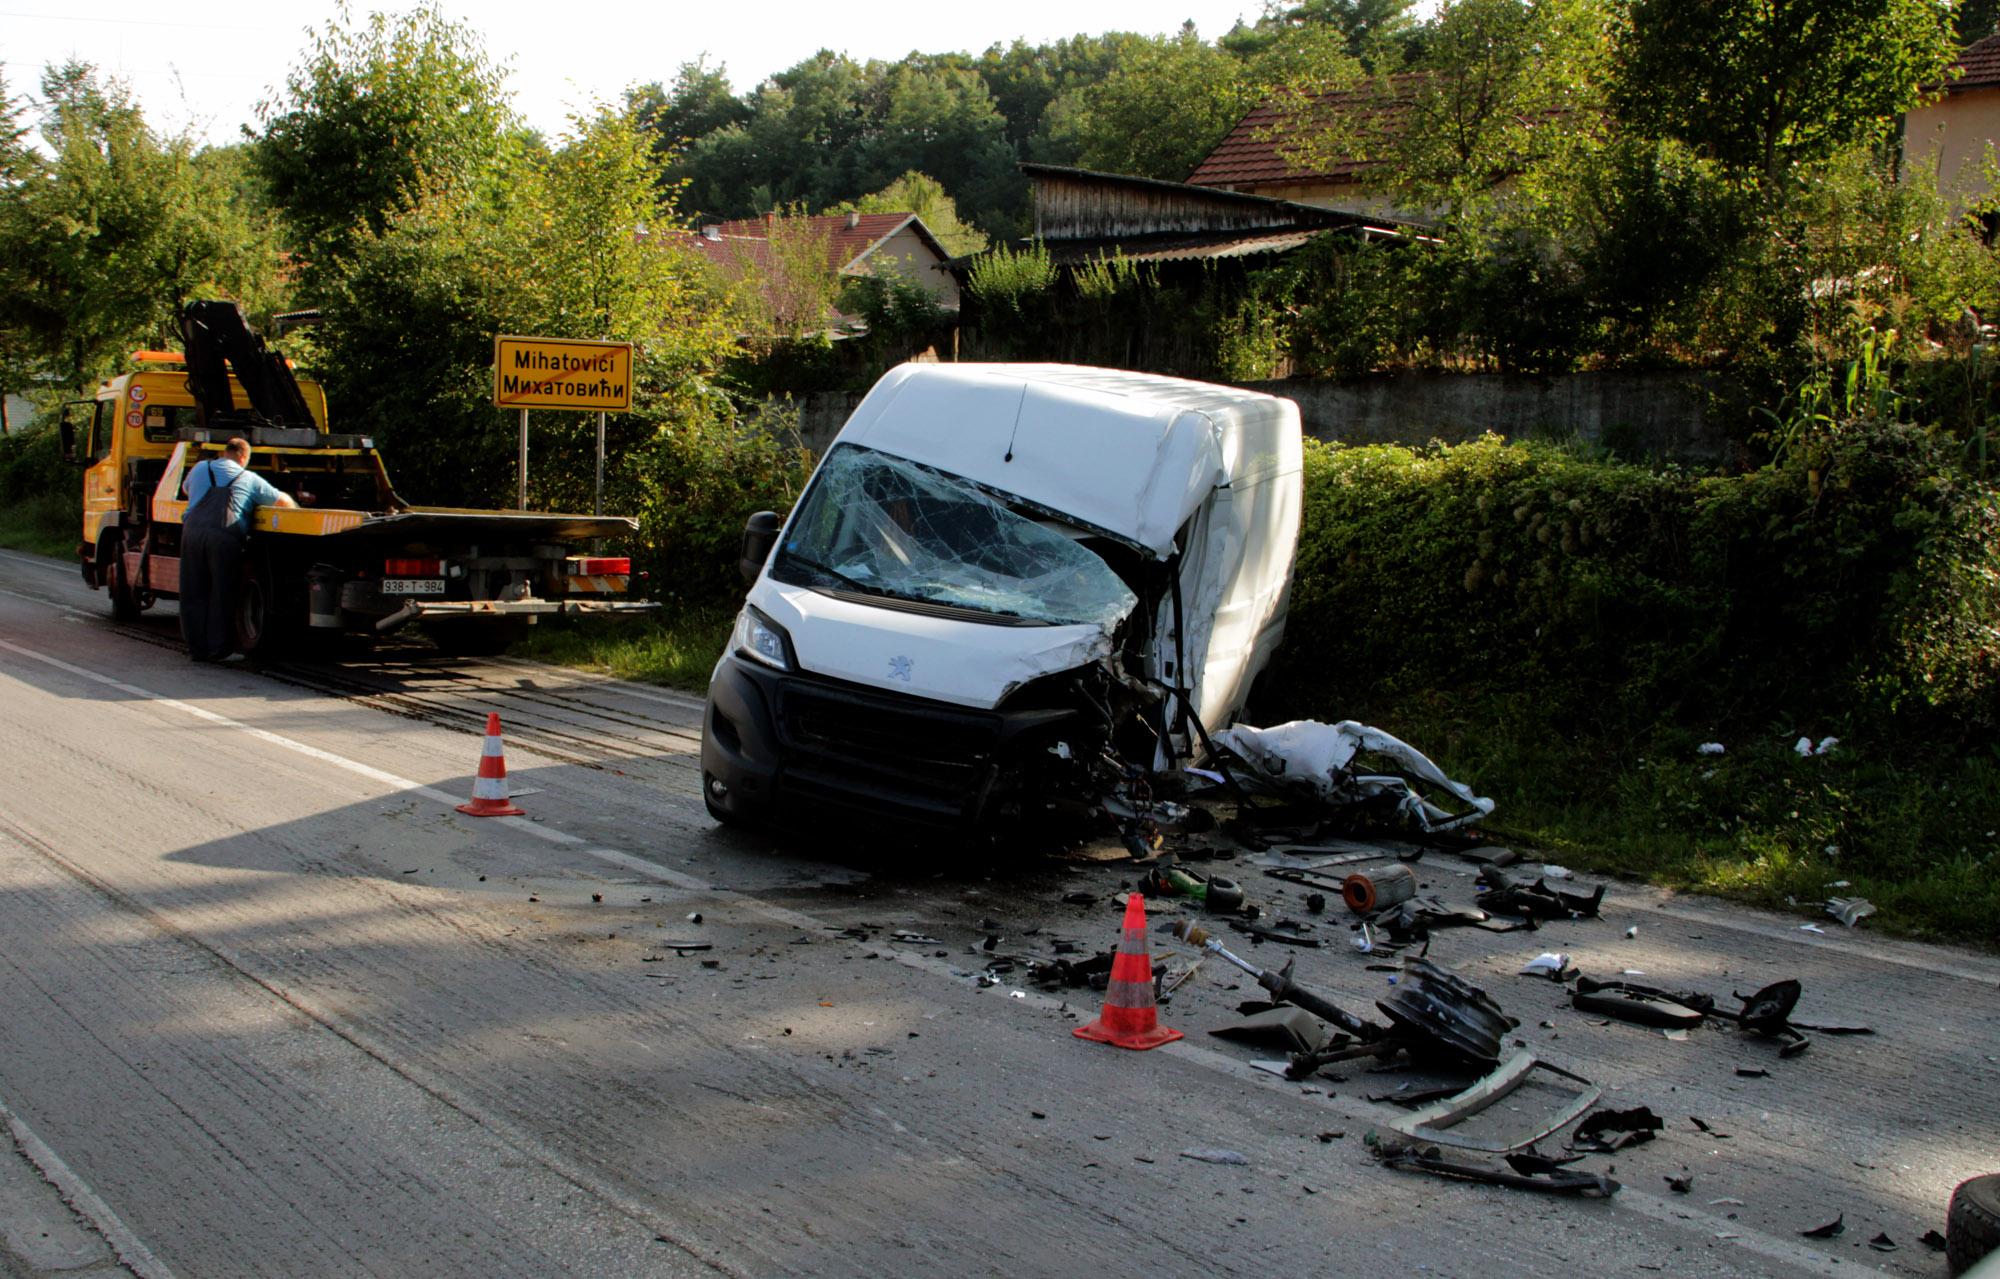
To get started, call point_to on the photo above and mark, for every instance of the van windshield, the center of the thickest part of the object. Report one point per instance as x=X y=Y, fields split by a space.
x=880 y=525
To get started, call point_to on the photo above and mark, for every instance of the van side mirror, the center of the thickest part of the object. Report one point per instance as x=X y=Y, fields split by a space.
x=66 y=430
x=760 y=534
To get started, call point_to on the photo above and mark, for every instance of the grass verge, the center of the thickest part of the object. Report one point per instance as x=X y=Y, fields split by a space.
x=43 y=525
x=1917 y=835
x=678 y=648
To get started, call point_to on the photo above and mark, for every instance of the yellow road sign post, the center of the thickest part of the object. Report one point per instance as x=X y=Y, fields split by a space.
x=561 y=373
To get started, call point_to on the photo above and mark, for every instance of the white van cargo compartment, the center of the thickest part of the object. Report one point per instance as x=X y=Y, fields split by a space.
x=1004 y=585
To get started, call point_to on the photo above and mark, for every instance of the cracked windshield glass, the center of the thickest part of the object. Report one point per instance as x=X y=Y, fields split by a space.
x=882 y=526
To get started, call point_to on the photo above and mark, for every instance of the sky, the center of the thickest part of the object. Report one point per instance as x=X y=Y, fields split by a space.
x=205 y=66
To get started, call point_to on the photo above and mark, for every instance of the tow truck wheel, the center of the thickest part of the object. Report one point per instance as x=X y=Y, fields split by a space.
x=259 y=629
x=118 y=585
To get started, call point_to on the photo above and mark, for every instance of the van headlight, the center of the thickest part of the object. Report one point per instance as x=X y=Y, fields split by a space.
x=759 y=637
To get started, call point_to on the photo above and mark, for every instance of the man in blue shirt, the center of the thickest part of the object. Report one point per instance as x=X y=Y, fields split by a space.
x=222 y=493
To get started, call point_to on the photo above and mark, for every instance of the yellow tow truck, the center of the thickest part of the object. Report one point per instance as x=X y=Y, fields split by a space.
x=353 y=556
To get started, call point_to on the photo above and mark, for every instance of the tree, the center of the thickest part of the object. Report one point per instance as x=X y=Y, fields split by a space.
x=699 y=103
x=1765 y=85
x=374 y=116
x=1370 y=30
x=1494 y=90
x=576 y=242
x=1024 y=79
x=926 y=197
x=831 y=129
x=1164 y=106
x=105 y=238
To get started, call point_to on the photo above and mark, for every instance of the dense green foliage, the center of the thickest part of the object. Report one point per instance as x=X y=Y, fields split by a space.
x=1566 y=631
x=109 y=227
x=373 y=118
x=41 y=498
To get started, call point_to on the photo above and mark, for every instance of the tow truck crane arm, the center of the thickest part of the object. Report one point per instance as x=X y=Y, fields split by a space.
x=217 y=340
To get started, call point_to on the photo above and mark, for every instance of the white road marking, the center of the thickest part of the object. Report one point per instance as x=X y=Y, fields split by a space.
x=1657 y=1207
x=134 y=1255
x=39 y=562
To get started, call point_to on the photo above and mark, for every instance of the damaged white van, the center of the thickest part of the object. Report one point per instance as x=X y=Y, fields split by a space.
x=1007 y=586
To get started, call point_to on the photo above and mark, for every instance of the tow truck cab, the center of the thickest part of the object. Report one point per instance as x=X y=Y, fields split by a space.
x=1002 y=582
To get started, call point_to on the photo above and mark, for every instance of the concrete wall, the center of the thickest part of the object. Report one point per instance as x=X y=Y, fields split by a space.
x=1654 y=415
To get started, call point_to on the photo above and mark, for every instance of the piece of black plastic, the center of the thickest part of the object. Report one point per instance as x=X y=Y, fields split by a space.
x=1830 y=1230
x=1559 y=1182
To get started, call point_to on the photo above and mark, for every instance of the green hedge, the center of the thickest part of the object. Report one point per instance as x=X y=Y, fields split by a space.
x=1860 y=578
x=1563 y=633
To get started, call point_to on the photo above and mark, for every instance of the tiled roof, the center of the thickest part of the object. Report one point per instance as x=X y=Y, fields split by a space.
x=849 y=237
x=1249 y=156
x=1978 y=67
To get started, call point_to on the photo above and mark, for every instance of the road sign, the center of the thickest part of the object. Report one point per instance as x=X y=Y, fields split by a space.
x=561 y=373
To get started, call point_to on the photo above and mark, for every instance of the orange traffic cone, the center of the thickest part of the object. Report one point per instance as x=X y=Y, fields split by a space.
x=489 y=786
x=1130 y=1018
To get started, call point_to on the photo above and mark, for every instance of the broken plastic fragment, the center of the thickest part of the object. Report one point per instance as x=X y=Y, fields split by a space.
x=1803 y=746
x=1812 y=928
x=1557 y=872
x=1850 y=910
x=1711 y=748
x=1207 y=1156
x=1882 y=1243
x=1829 y=1230
x=1546 y=964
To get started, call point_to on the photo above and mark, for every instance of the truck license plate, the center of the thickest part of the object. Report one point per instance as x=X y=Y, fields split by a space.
x=413 y=586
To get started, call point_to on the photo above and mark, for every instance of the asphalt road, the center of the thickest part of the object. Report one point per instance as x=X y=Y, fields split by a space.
x=269 y=1006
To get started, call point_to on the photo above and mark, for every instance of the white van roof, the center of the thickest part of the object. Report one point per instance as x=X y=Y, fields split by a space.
x=1134 y=454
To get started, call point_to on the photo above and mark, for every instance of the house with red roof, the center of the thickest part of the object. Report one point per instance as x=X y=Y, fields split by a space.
x=1954 y=131
x=856 y=244
x=1252 y=159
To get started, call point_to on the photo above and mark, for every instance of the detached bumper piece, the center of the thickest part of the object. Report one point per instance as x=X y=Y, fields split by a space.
x=416 y=610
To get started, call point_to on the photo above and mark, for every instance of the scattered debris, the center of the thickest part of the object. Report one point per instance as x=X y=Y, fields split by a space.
x=1850 y=910
x=1534 y=898
x=1292 y=1029
x=1682 y=1184
x=1531 y=1161
x=1547 y=964
x=1207 y=1156
x=1712 y=1131
x=1607 y=1131
x=1366 y=892
x=1711 y=748
x=1753 y=1072
x=1558 y=1182
x=1641 y=1005
x=1435 y=1121
x=1311 y=760
x=1830 y=1230
x=1933 y=1240
x=1290 y=932
x=1882 y=1242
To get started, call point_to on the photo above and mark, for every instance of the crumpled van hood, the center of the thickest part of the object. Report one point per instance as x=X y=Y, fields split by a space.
x=941 y=658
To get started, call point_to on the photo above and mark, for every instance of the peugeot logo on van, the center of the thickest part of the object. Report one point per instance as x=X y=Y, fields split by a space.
x=900 y=667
